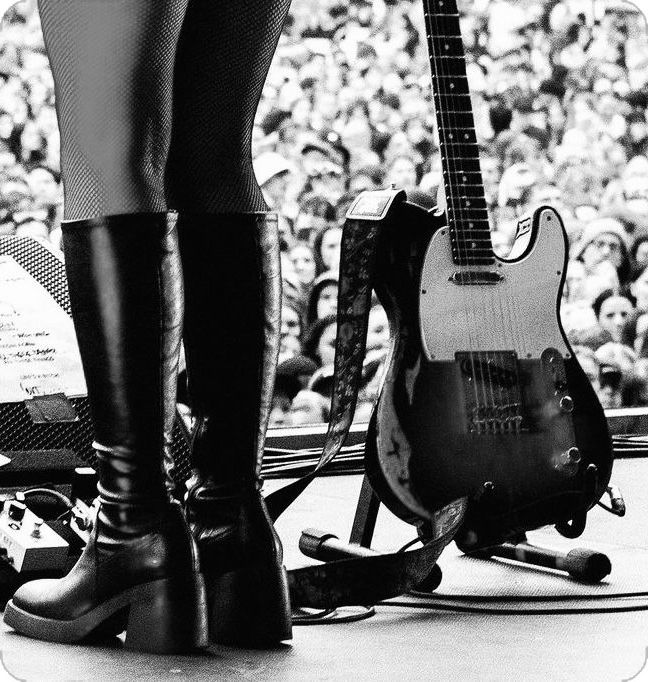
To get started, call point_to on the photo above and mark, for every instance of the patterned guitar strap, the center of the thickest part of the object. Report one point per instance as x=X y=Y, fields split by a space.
x=365 y=580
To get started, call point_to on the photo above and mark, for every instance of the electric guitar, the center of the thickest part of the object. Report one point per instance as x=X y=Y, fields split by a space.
x=483 y=397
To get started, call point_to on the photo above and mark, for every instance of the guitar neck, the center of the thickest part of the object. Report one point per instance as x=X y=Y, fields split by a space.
x=464 y=189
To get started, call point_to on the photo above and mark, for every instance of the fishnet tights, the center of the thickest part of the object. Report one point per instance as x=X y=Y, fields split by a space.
x=156 y=100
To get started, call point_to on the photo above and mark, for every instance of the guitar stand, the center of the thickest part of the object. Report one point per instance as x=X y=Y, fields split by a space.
x=581 y=564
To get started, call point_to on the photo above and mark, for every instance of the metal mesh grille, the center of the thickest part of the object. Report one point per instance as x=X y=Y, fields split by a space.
x=17 y=430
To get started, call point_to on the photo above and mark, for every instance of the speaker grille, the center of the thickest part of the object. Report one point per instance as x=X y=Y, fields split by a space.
x=17 y=430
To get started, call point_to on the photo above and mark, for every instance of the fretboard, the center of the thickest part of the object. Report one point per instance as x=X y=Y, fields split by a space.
x=464 y=189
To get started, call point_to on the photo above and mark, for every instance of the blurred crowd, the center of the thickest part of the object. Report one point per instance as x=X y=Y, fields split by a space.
x=560 y=94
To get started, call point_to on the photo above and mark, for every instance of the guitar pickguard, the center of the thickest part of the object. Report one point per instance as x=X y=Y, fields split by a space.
x=511 y=305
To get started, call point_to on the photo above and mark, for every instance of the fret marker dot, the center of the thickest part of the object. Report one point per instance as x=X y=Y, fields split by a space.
x=471 y=224
x=451 y=86
x=447 y=47
x=466 y=136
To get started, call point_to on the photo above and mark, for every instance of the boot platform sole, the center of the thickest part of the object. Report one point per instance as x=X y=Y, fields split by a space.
x=163 y=616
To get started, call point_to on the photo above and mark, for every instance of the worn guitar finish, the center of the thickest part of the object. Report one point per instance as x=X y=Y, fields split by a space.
x=483 y=397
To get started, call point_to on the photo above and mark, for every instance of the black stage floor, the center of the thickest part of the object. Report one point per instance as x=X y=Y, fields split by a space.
x=413 y=644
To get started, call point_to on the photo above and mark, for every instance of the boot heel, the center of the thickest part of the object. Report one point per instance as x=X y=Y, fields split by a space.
x=250 y=607
x=168 y=617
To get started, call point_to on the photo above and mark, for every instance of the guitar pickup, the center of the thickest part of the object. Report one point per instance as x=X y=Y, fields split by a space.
x=472 y=277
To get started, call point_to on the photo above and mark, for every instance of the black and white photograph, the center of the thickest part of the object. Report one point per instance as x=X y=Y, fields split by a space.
x=324 y=340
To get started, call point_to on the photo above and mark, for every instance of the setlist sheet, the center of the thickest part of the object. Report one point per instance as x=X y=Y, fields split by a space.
x=39 y=354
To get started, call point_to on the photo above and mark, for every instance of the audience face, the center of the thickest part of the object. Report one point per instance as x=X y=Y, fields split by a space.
x=606 y=247
x=327 y=300
x=614 y=315
x=402 y=172
x=609 y=392
x=303 y=263
x=326 y=345
x=290 y=322
x=43 y=186
x=330 y=249
x=289 y=347
x=639 y=289
x=574 y=281
x=280 y=411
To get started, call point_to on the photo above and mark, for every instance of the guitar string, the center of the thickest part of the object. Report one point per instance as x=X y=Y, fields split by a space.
x=500 y=404
x=454 y=168
x=438 y=73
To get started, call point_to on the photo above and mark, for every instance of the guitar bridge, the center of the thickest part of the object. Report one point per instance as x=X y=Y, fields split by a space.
x=492 y=391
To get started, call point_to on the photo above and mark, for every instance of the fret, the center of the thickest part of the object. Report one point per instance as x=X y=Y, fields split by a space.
x=459 y=151
x=470 y=121
x=474 y=226
x=462 y=260
x=459 y=99
x=485 y=242
x=481 y=233
x=451 y=133
x=467 y=215
x=475 y=199
x=473 y=249
x=472 y=254
x=468 y=169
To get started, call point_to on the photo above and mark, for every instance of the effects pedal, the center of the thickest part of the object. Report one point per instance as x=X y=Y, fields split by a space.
x=27 y=543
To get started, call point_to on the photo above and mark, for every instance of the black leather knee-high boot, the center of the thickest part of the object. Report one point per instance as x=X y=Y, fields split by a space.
x=139 y=570
x=232 y=315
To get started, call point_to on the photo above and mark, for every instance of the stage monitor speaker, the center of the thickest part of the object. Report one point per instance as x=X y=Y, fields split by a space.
x=41 y=439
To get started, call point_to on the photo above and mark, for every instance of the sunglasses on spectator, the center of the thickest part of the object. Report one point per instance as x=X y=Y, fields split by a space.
x=325 y=174
x=611 y=244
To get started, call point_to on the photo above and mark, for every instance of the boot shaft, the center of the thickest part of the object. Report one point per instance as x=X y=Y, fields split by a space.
x=125 y=284
x=232 y=320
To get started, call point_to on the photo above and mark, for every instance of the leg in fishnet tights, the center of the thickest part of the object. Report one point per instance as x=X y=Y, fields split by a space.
x=224 y=54
x=112 y=63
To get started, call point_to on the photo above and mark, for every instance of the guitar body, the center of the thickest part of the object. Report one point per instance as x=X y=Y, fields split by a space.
x=483 y=398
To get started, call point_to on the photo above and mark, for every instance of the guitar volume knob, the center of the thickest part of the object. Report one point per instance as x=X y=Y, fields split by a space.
x=571 y=456
x=567 y=403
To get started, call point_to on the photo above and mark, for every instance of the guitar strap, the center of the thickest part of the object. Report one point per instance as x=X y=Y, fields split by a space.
x=365 y=580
